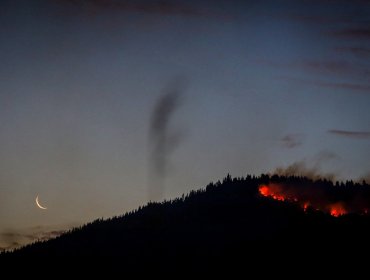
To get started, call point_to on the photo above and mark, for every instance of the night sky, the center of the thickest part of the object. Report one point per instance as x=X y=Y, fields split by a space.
x=107 y=104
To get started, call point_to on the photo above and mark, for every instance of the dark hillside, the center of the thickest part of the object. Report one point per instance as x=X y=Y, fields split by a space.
x=226 y=220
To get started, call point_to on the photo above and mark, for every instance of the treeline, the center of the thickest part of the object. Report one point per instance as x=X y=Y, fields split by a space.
x=224 y=219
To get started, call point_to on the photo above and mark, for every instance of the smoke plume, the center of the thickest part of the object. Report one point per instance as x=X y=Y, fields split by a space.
x=300 y=168
x=310 y=168
x=162 y=138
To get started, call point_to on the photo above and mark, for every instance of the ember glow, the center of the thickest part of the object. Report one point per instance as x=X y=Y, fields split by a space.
x=276 y=192
x=337 y=210
x=305 y=206
x=266 y=191
x=317 y=201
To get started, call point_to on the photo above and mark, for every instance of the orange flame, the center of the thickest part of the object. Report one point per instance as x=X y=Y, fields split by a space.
x=337 y=210
x=305 y=206
x=266 y=191
x=276 y=192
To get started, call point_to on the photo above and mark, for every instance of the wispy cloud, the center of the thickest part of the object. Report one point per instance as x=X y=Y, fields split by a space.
x=335 y=67
x=360 y=88
x=163 y=7
x=348 y=86
x=292 y=140
x=350 y=134
x=319 y=19
x=335 y=2
x=353 y=33
x=360 y=52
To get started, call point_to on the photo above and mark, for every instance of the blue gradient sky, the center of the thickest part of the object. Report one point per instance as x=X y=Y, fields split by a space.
x=266 y=84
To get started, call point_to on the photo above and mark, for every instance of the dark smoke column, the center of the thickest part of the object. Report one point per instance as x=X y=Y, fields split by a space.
x=161 y=140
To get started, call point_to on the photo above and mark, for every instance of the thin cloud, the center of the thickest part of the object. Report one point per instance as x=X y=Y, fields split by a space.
x=350 y=86
x=291 y=141
x=361 y=88
x=319 y=19
x=353 y=33
x=335 y=67
x=335 y=2
x=357 y=51
x=350 y=134
x=163 y=7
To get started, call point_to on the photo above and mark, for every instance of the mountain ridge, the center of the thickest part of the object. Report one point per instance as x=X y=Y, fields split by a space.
x=226 y=218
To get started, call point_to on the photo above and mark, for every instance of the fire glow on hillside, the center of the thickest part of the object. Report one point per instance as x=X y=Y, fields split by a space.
x=278 y=192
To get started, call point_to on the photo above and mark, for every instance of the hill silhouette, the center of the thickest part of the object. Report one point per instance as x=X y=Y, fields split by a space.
x=225 y=221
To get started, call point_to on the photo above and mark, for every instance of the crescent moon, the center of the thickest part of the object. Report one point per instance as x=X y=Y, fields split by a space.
x=39 y=205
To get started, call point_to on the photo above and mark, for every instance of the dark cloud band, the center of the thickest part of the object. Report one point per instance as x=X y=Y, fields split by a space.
x=351 y=134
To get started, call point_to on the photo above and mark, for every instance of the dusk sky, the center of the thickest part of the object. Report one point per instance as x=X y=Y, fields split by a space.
x=89 y=90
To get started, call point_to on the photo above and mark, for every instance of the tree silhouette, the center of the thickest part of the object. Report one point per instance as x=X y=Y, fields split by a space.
x=219 y=223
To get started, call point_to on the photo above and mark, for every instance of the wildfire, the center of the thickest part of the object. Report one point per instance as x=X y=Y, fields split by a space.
x=266 y=191
x=305 y=206
x=276 y=192
x=337 y=210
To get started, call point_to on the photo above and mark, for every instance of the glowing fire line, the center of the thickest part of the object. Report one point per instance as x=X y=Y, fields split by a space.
x=336 y=209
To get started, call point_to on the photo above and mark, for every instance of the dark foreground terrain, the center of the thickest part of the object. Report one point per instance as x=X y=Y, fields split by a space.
x=227 y=221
